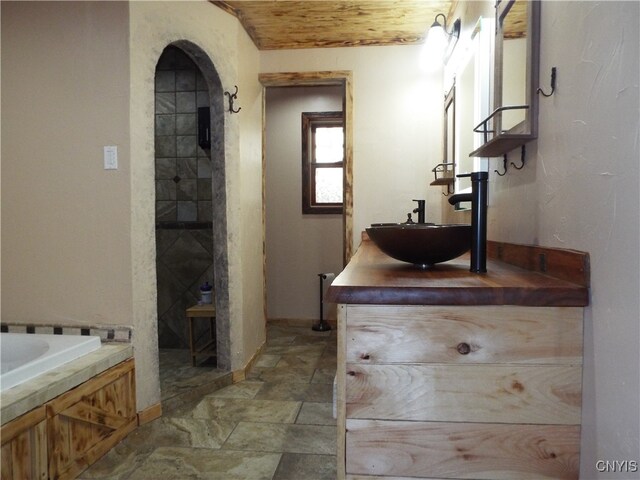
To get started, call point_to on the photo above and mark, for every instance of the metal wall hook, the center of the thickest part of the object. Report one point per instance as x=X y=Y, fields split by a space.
x=232 y=97
x=553 y=84
x=504 y=165
x=522 y=159
x=451 y=189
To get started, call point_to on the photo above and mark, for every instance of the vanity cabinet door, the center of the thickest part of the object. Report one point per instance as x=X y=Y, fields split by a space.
x=462 y=392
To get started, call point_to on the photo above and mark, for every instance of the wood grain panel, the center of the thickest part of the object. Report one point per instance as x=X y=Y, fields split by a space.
x=340 y=392
x=466 y=393
x=495 y=334
x=26 y=421
x=305 y=24
x=453 y=450
x=23 y=455
x=75 y=395
x=84 y=423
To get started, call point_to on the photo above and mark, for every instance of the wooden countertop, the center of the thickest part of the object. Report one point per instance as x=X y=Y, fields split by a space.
x=371 y=277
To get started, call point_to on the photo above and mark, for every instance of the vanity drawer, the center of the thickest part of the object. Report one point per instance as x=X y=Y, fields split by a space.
x=393 y=449
x=453 y=334
x=540 y=394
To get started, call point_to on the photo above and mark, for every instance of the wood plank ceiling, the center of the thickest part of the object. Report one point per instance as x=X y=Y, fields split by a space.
x=282 y=24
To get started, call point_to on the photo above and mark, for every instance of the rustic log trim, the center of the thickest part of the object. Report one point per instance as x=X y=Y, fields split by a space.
x=324 y=78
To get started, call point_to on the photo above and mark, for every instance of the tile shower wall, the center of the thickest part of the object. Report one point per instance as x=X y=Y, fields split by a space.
x=183 y=169
x=184 y=240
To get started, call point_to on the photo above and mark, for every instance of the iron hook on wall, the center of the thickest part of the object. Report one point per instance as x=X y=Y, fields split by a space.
x=504 y=162
x=522 y=158
x=451 y=189
x=553 y=84
x=504 y=166
x=232 y=97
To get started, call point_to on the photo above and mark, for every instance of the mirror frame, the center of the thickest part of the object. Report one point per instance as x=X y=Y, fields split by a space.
x=450 y=109
x=527 y=130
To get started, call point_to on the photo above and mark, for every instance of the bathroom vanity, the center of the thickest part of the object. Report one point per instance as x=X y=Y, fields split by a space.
x=443 y=373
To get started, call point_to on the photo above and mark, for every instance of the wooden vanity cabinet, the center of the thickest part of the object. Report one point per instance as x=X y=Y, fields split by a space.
x=482 y=392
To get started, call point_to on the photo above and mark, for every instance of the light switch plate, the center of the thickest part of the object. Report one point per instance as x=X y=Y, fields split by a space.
x=110 y=157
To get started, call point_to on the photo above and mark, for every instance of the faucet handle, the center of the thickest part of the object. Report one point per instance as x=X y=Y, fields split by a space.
x=477 y=176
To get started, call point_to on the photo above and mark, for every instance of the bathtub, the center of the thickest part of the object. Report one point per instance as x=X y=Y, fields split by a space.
x=24 y=356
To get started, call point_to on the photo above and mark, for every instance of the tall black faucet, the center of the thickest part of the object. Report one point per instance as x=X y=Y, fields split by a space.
x=420 y=210
x=478 y=198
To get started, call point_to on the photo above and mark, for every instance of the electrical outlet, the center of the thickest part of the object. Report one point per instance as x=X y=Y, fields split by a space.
x=110 y=157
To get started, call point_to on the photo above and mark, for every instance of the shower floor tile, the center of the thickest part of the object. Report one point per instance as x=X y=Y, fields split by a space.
x=276 y=425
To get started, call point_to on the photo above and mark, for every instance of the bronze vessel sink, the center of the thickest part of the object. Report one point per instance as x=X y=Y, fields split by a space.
x=422 y=244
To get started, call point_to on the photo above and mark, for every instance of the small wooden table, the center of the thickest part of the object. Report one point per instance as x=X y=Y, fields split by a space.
x=209 y=349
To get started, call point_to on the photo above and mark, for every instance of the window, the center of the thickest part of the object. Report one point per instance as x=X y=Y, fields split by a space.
x=322 y=162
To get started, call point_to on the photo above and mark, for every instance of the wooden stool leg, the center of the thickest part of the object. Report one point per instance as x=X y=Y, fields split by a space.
x=192 y=347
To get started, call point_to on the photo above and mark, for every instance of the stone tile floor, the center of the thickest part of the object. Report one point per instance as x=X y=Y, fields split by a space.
x=275 y=425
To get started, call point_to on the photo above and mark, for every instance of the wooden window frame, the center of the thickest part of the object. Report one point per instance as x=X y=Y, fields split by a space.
x=310 y=122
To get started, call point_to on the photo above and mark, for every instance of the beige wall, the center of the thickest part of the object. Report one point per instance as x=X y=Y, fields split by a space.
x=66 y=222
x=397 y=125
x=154 y=25
x=298 y=246
x=248 y=188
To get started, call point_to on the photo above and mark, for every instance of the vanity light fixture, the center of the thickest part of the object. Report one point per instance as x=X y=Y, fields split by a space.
x=440 y=40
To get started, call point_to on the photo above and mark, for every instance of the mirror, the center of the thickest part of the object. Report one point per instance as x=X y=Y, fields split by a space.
x=444 y=172
x=470 y=73
x=514 y=65
x=514 y=120
x=450 y=126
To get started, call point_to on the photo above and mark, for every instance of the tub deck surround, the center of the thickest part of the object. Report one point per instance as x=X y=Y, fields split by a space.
x=33 y=393
x=444 y=373
x=375 y=278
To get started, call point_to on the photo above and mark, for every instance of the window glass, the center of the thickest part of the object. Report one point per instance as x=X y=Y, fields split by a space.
x=322 y=162
x=329 y=144
x=329 y=185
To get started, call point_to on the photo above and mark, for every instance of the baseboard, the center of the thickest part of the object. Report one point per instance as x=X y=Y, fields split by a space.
x=298 y=322
x=241 y=374
x=149 y=414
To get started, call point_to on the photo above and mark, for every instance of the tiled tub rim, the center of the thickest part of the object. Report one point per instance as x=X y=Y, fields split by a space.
x=107 y=333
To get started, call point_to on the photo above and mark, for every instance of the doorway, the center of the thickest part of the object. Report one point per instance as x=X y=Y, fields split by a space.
x=324 y=91
x=190 y=203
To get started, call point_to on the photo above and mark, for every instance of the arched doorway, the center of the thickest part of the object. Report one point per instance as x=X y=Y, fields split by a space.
x=191 y=223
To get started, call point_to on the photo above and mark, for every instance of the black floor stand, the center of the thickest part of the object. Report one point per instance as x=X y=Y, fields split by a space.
x=321 y=326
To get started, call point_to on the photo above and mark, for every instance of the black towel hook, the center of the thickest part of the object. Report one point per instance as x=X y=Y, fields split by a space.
x=504 y=164
x=522 y=159
x=232 y=97
x=553 y=84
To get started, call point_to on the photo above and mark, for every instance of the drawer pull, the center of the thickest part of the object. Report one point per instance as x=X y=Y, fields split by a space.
x=365 y=356
x=463 y=348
